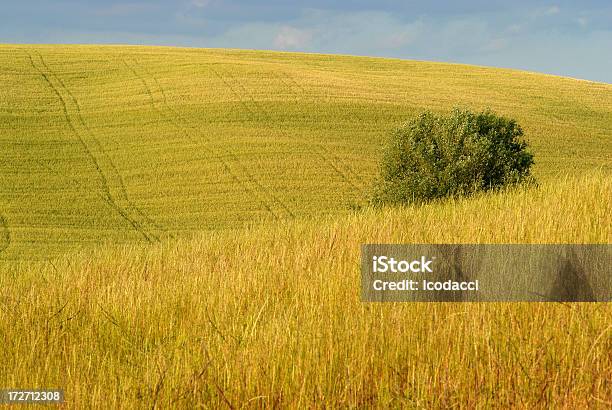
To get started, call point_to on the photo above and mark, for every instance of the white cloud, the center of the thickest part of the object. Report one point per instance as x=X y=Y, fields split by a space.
x=404 y=37
x=125 y=9
x=364 y=33
x=514 y=28
x=552 y=10
x=495 y=45
x=291 y=38
x=201 y=3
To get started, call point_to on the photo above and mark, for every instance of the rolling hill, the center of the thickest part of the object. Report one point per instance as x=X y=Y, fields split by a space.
x=212 y=196
x=105 y=144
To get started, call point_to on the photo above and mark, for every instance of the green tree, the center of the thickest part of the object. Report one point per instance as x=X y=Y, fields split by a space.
x=437 y=156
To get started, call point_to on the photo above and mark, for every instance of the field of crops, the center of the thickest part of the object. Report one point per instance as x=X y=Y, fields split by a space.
x=180 y=228
x=124 y=144
x=272 y=317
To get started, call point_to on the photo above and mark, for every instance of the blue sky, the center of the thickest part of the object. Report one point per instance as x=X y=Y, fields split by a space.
x=558 y=37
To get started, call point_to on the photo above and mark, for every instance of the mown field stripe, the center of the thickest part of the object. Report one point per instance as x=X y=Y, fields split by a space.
x=94 y=160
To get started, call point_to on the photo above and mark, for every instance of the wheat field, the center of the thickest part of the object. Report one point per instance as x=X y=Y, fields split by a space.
x=272 y=317
x=181 y=228
x=123 y=144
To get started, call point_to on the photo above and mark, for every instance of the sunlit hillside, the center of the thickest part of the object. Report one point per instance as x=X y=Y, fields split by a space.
x=138 y=144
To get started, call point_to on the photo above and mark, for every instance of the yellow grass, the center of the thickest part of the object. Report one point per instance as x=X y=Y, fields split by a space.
x=271 y=316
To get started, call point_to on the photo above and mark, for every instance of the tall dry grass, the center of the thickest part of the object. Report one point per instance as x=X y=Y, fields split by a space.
x=272 y=317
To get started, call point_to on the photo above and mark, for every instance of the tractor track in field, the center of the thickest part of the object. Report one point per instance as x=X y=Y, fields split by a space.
x=248 y=182
x=266 y=192
x=76 y=183
x=259 y=109
x=229 y=86
x=6 y=234
x=118 y=179
x=324 y=152
x=94 y=144
x=254 y=117
x=266 y=114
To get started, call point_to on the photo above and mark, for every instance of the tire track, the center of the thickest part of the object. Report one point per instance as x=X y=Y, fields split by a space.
x=184 y=125
x=326 y=151
x=76 y=183
x=149 y=237
x=249 y=177
x=258 y=107
x=252 y=113
x=322 y=149
x=254 y=116
x=307 y=93
x=121 y=191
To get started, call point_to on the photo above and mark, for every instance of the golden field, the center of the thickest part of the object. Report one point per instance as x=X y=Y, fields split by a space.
x=179 y=229
x=272 y=317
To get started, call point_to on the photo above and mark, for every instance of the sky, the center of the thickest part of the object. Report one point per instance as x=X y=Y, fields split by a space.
x=572 y=39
